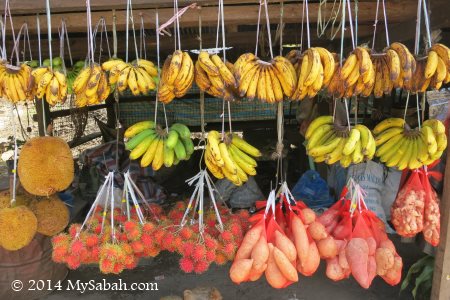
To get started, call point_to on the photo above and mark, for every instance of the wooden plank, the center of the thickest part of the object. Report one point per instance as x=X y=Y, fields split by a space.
x=398 y=11
x=441 y=277
x=84 y=139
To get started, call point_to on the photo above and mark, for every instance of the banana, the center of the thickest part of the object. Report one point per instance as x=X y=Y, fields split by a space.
x=371 y=147
x=348 y=66
x=429 y=139
x=251 y=89
x=316 y=123
x=387 y=135
x=441 y=141
x=314 y=70
x=350 y=144
x=122 y=82
x=244 y=146
x=241 y=164
x=242 y=155
x=353 y=77
x=138 y=127
x=174 y=67
x=317 y=84
x=43 y=83
x=201 y=78
x=364 y=137
x=140 y=149
x=184 y=75
x=325 y=148
x=169 y=156
x=109 y=64
x=388 y=123
x=393 y=157
x=357 y=156
x=386 y=147
x=286 y=74
x=404 y=55
x=436 y=125
x=226 y=74
x=247 y=79
x=406 y=157
x=364 y=61
x=148 y=66
x=234 y=178
x=115 y=71
x=431 y=65
x=346 y=160
x=394 y=64
x=261 y=89
x=414 y=162
x=142 y=82
x=81 y=80
x=137 y=139
x=215 y=170
x=188 y=146
x=150 y=152
x=241 y=174
x=328 y=64
x=158 y=160
x=172 y=139
x=318 y=134
x=207 y=64
x=213 y=139
x=132 y=82
x=335 y=155
x=228 y=162
x=243 y=62
x=270 y=95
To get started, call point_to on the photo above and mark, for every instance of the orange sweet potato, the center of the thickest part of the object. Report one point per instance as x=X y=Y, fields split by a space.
x=250 y=239
x=260 y=255
x=312 y=263
x=285 y=266
x=388 y=244
x=357 y=254
x=240 y=270
x=334 y=270
x=285 y=245
x=317 y=231
x=394 y=275
x=327 y=248
x=309 y=215
x=301 y=240
x=385 y=260
x=273 y=274
x=255 y=275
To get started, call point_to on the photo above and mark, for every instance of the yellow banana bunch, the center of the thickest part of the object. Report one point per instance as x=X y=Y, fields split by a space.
x=330 y=143
x=267 y=81
x=402 y=147
x=407 y=64
x=215 y=77
x=91 y=86
x=156 y=146
x=137 y=76
x=177 y=76
x=436 y=68
x=50 y=84
x=16 y=83
x=231 y=157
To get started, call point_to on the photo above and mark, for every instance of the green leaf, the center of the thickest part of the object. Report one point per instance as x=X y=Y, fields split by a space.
x=415 y=268
x=427 y=274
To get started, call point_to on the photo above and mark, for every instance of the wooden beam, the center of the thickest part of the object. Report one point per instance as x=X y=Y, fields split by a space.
x=398 y=11
x=441 y=277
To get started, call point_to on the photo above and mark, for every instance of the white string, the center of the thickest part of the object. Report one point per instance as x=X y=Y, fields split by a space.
x=90 y=37
x=49 y=32
x=347 y=113
x=386 y=24
x=375 y=24
x=406 y=108
x=356 y=22
x=268 y=28
x=13 y=200
x=301 y=31
x=257 y=29
x=307 y=23
x=133 y=29
x=342 y=32
x=158 y=62
x=427 y=22
x=350 y=20
x=418 y=110
x=418 y=22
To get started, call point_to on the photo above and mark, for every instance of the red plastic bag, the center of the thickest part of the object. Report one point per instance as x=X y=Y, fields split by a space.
x=431 y=222
x=408 y=208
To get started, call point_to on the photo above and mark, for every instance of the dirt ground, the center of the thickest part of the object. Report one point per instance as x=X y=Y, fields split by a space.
x=171 y=280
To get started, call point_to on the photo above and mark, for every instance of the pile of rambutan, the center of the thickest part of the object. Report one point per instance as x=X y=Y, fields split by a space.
x=198 y=249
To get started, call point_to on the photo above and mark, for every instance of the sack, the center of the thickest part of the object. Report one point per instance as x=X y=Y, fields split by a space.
x=243 y=196
x=312 y=190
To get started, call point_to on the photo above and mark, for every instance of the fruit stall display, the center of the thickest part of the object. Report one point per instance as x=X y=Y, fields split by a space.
x=284 y=237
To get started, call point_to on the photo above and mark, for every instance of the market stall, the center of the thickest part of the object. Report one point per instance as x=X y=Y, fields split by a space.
x=280 y=143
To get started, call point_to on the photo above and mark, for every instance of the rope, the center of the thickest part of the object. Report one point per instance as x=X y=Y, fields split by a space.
x=351 y=24
x=375 y=25
x=14 y=171
x=342 y=33
x=268 y=28
x=303 y=18
x=115 y=34
x=406 y=108
x=38 y=27
x=90 y=37
x=386 y=24
x=427 y=22
x=418 y=21
x=281 y=26
x=347 y=114
x=158 y=62
x=356 y=22
x=307 y=23
x=133 y=29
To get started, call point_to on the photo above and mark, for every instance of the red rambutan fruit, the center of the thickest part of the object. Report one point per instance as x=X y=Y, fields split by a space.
x=211 y=243
x=211 y=223
x=118 y=268
x=131 y=262
x=186 y=265
x=146 y=239
x=122 y=237
x=95 y=254
x=59 y=254
x=134 y=234
x=177 y=243
x=73 y=262
x=60 y=239
x=130 y=225
x=158 y=235
x=151 y=251
x=221 y=259
x=201 y=267
x=106 y=265
x=175 y=215
x=229 y=249
x=74 y=229
x=187 y=249
x=186 y=233
x=235 y=229
x=148 y=227
x=180 y=205
x=199 y=252
x=210 y=256
x=76 y=247
x=98 y=229
x=167 y=240
x=126 y=248
x=137 y=246
x=91 y=240
x=226 y=236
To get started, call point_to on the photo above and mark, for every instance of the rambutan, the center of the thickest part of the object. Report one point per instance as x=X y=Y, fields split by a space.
x=177 y=243
x=74 y=229
x=221 y=259
x=131 y=262
x=95 y=254
x=60 y=239
x=122 y=237
x=146 y=239
x=134 y=234
x=167 y=240
x=59 y=254
x=235 y=229
x=211 y=223
x=84 y=255
x=201 y=267
x=151 y=251
x=180 y=205
x=158 y=235
x=210 y=256
x=76 y=247
x=148 y=227
x=186 y=265
x=98 y=229
x=226 y=236
x=175 y=215
x=98 y=209
x=126 y=248
x=229 y=250
x=137 y=246
x=73 y=262
x=106 y=265
x=187 y=249
x=130 y=225
x=186 y=233
x=91 y=240
x=199 y=252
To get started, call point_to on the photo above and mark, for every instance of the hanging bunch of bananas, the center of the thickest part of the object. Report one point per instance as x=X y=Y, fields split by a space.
x=177 y=76
x=404 y=66
x=314 y=68
x=215 y=77
x=400 y=146
x=156 y=146
x=267 y=81
x=50 y=83
x=15 y=83
x=328 y=142
x=91 y=86
x=231 y=158
x=137 y=76
x=72 y=74
x=355 y=77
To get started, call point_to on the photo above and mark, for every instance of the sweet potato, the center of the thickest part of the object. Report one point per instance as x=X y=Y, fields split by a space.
x=240 y=270
x=327 y=248
x=394 y=275
x=372 y=245
x=357 y=254
x=309 y=215
x=312 y=263
x=301 y=240
x=371 y=271
x=331 y=226
x=273 y=274
x=260 y=254
x=343 y=259
x=317 y=231
x=388 y=244
x=385 y=260
x=255 y=275
x=329 y=217
x=285 y=245
x=334 y=270
x=250 y=239
x=285 y=266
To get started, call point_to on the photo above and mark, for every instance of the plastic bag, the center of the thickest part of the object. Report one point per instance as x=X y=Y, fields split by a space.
x=312 y=190
x=408 y=209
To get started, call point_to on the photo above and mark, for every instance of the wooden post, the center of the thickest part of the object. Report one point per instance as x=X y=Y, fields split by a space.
x=441 y=277
x=43 y=116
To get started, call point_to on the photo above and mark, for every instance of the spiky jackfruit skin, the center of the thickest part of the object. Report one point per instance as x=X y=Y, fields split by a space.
x=45 y=166
x=18 y=226
x=52 y=215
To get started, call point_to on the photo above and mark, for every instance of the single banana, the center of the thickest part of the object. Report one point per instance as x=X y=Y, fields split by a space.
x=353 y=138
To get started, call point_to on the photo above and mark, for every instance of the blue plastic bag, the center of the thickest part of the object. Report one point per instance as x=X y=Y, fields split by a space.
x=313 y=190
